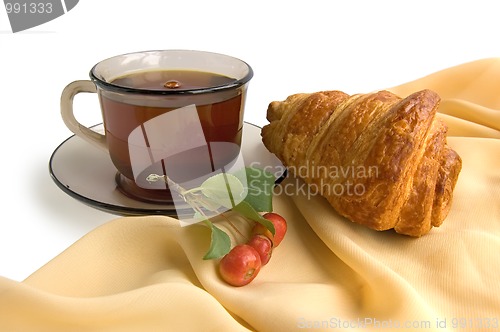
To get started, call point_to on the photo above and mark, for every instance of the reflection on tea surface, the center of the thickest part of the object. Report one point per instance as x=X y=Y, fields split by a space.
x=172 y=79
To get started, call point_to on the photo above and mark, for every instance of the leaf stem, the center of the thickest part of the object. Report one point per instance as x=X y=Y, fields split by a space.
x=233 y=226
x=171 y=184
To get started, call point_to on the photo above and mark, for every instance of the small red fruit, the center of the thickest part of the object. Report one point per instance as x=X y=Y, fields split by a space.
x=280 y=227
x=264 y=247
x=259 y=229
x=240 y=266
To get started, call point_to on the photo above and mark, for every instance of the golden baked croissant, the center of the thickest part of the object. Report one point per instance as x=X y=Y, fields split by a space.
x=380 y=160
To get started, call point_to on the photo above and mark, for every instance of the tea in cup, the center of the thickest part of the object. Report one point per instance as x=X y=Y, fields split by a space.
x=175 y=113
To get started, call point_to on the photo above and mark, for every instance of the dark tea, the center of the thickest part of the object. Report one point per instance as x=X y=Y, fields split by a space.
x=219 y=113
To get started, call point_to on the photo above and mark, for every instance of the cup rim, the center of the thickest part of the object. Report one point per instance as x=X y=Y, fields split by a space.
x=108 y=86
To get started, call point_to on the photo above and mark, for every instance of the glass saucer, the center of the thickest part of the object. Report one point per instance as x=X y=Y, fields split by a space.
x=88 y=175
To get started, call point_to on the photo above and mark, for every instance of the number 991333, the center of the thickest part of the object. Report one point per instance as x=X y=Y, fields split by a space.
x=28 y=8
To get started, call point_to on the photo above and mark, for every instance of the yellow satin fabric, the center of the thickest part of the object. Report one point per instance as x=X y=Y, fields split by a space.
x=146 y=273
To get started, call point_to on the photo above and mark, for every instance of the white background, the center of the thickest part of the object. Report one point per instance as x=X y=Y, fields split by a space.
x=293 y=46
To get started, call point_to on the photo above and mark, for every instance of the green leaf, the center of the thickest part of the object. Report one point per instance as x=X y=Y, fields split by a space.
x=248 y=211
x=208 y=203
x=220 y=243
x=260 y=184
x=224 y=189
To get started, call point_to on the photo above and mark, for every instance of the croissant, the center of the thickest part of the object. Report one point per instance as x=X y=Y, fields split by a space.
x=380 y=160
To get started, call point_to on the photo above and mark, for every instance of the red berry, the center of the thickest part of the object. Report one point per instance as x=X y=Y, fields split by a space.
x=259 y=229
x=280 y=227
x=264 y=247
x=240 y=266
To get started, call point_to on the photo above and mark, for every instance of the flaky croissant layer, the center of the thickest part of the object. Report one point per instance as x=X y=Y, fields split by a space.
x=380 y=160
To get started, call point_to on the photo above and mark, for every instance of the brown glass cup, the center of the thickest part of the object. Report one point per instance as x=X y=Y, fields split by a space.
x=186 y=127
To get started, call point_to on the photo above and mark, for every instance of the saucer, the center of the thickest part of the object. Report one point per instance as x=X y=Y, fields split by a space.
x=88 y=175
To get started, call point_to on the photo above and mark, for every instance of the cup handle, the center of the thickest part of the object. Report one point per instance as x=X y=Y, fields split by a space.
x=69 y=92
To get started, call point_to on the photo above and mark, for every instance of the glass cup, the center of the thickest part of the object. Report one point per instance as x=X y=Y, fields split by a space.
x=175 y=114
